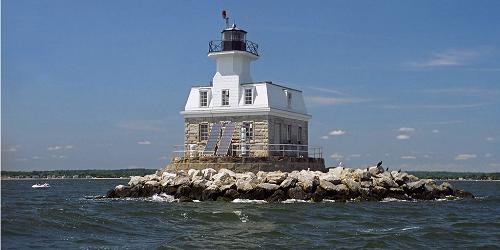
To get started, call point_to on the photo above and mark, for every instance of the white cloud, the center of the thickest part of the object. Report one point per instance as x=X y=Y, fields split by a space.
x=489 y=139
x=337 y=132
x=143 y=142
x=463 y=157
x=336 y=156
x=355 y=155
x=59 y=147
x=59 y=156
x=435 y=131
x=406 y=129
x=321 y=100
x=408 y=157
x=333 y=91
x=487 y=155
x=452 y=57
x=325 y=137
x=403 y=137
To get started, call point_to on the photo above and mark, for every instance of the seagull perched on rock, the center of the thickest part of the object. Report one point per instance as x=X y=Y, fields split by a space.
x=379 y=164
x=387 y=169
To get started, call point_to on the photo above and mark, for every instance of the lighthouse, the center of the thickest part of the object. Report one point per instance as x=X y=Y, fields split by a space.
x=236 y=118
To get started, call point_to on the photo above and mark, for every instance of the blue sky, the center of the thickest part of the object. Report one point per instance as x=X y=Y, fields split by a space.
x=99 y=84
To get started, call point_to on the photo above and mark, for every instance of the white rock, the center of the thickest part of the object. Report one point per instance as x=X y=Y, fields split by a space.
x=244 y=185
x=136 y=180
x=276 y=177
x=227 y=171
x=208 y=173
x=326 y=185
x=288 y=182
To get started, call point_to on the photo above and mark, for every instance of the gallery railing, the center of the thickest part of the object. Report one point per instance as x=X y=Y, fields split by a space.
x=256 y=150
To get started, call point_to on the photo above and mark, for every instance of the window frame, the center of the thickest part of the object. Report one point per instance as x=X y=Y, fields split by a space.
x=245 y=96
x=201 y=98
x=201 y=135
x=225 y=98
x=250 y=131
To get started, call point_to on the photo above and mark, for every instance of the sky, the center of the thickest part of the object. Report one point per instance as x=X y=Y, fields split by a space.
x=99 y=84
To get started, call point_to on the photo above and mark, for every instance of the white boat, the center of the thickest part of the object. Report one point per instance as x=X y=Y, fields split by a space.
x=38 y=185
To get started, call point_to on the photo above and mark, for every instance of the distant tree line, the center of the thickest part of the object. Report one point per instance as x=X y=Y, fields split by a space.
x=455 y=175
x=94 y=173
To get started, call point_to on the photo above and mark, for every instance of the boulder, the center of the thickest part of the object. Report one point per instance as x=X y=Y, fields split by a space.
x=222 y=178
x=227 y=171
x=330 y=178
x=183 y=190
x=445 y=188
x=152 y=177
x=231 y=194
x=181 y=180
x=361 y=175
x=379 y=192
x=136 y=180
x=296 y=193
x=463 y=194
x=245 y=185
x=194 y=174
x=207 y=173
x=228 y=186
x=337 y=172
x=289 y=182
x=278 y=196
x=210 y=193
x=152 y=183
x=353 y=186
x=375 y=170
x=261 y=176
x=276 y=177
x=268 y=187
x=308 y=181
x=341 y=191
x=384 y=180
x=326 y=185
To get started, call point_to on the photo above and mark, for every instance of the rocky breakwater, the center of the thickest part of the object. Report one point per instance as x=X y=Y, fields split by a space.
x=339 y=184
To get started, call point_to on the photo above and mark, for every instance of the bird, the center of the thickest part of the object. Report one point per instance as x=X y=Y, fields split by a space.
x=399 y=171
x=387 y=169
x=379 y=164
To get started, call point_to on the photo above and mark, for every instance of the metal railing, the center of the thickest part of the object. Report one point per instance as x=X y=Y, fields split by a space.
x=217 y=46
x=258 y=150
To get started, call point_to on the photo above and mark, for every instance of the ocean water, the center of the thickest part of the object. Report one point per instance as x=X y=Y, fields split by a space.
x=62 y=217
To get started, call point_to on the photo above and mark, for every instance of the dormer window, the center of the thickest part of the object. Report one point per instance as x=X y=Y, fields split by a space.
x=225 y=97
x=203 y=98
x=248 y=96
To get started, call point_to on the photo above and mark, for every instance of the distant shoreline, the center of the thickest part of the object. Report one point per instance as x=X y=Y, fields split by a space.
x=96 y=178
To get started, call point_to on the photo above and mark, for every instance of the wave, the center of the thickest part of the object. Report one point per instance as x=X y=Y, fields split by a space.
x=162 y=198
x=248 y=201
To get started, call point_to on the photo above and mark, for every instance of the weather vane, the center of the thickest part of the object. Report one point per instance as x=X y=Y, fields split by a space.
x=226 y=18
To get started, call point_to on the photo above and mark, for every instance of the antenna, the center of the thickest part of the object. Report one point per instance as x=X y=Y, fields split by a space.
x=226 y=18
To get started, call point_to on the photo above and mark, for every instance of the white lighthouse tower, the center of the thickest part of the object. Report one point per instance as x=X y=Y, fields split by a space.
x=237 y=117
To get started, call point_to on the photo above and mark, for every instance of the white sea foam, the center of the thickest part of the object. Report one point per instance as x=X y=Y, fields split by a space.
x=293 y=201
x=409 y=228
x=389 y=199
x=249 y=201
x=327 y=200
x=163 y=198
x=243 y=217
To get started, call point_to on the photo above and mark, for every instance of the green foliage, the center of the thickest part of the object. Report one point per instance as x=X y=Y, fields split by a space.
x=82 y=173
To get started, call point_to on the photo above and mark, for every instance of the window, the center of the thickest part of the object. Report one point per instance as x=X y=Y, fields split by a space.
x=248 y=129
x=299 y=135
x=289 y=99
x=248 y=96
x=203 y=131
x=203 y=98
x=289 y=133
x=225 y=97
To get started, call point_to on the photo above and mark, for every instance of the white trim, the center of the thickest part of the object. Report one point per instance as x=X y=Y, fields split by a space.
x=242 y=111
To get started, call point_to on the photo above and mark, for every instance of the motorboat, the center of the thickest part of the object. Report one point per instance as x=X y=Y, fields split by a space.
x=38 y=185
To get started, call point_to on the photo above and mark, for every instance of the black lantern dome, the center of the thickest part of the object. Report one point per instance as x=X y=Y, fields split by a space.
x=233 y=38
